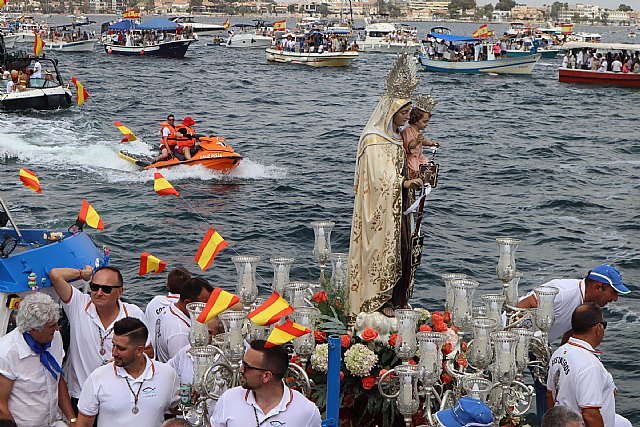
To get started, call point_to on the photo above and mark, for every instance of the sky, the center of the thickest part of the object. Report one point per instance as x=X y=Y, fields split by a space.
x=609 y=4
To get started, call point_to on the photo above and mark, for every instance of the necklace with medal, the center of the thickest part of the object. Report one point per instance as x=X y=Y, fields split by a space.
x=135 y=409
x=102 y=340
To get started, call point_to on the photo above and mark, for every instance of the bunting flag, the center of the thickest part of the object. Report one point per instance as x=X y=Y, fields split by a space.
x=89 y=216
x=150 y=264
x=163 y=187
x=128 y=135
x=286 y=332
x=209 y=248
x=280 y=25
x=218 y=302
x=480 y=32
x=30 y=179
x=272 y=310
x=81 y=92
x=225 y=25
x=131 y=14
x=38 y=44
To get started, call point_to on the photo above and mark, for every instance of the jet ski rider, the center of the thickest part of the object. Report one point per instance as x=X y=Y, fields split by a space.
x=169 y=139
x=186 y=138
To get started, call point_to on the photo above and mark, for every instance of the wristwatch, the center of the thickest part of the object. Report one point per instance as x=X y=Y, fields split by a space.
x=72 y=420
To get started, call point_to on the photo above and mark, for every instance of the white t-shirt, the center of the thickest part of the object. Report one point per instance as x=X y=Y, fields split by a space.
x=37 y=70
x=172 y=332
x=86 y=330
x=237 y=408
x=616 y=66
x=10 y=86
x=33 y=384
x=577 y=379
x=106 y=393
x=154 y=308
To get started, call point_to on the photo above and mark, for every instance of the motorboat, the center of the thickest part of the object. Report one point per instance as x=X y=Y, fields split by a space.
x=278 y=52
x=251 y=36
x=27 y=255
x=157 y=37
x=9 y=40
x=212 y=153
x=198 y=28
x=65 y=38
x=385 y=37
x=604 y=78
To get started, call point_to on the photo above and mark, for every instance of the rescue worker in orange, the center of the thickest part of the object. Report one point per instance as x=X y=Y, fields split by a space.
x=169 y=139
x=186 y=137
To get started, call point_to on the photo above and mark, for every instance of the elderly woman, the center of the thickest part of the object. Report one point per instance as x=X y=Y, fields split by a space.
x=31 y=385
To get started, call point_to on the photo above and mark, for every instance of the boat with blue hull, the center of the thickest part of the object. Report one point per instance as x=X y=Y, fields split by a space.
x=167 y=49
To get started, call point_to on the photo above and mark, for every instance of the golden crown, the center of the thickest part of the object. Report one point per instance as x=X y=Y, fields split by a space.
x=425 y=102
x=402 y=80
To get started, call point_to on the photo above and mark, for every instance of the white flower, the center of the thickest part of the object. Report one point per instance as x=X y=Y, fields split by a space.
x=359 y=360
x=320 y=358
x=425 y=315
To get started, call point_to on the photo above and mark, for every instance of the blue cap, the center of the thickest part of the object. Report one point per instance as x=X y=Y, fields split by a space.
x=468 y=412
x=609 y=275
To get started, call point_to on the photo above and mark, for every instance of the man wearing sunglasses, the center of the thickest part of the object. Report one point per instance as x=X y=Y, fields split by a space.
x=578 y=379
x=262 y=398
x=91 y=318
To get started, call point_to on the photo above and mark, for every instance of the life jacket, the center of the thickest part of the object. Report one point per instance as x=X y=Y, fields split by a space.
x=171 y=139
x=185 y=141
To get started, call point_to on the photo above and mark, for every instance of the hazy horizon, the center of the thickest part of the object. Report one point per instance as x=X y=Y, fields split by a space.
x=609 y=4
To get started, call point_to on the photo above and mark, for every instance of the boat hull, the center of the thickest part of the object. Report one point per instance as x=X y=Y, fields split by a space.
x=608 y=78
x=172 y=49
x=328 y=59
x=79 y=46
x=37 y=99
x=522 y=65
x=387 y=47
x=9 y=40
x=249 y=41
x=544 y=54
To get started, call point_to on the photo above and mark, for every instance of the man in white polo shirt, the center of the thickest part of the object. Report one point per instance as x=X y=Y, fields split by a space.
x=173 y=325
x=91 y=318
x=175 y=280
x=133 y=390
x=263 y=399
x=577 y=379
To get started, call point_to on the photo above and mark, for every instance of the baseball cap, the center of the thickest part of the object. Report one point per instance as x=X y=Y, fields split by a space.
x=188 y=121
x=468 y=412
x=609 y=275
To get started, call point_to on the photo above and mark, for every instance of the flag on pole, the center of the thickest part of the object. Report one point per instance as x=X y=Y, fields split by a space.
x=131 y=14
x=286 y=332
x=480 y=32
x=209 y=248
x=272 y=310
x=89 y=216
x=225 y=25
x=218 y=302
x=128 y=135
x=30 y=180
x=162 y=186
x=38 y=44
x=280 y=25
x=81 y=92
x=150 y=264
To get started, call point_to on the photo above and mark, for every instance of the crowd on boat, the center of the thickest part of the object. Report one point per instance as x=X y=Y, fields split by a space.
x=148 y=37
x=470 y=51
x=57 y=35
x=315 y=43
x=589 y=59
x=20 y=80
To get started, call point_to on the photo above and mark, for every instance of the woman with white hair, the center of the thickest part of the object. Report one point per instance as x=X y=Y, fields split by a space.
x=32 y=389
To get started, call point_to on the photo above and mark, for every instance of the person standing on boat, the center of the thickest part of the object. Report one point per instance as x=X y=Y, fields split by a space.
x=131 y=390
x=175 y=281
x=91 y=318
x=578 y=379
x=263 y=398
x=33 y=391
x=380 y=241
x=168 y=141
x=37 y=70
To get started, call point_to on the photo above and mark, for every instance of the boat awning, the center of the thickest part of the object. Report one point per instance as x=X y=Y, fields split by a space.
x=601 y=46
x=452 y=38
x=122 y=25
x=160 y=24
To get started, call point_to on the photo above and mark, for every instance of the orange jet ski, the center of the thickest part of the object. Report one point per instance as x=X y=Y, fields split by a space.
x=212 y=152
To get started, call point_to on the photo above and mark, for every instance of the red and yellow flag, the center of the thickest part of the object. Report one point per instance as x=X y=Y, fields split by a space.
x=38 y=44
x=131 y=14
x=226 y=23
x=481 y=32
x=128 y=135
x=81 y=93
x=150 y=264
x=89 y=216
x=209 y=248
x=272 y=310
x=280 y=25
x=218 y=302
x=30 y=180
x=286 y=332
x=162 y=186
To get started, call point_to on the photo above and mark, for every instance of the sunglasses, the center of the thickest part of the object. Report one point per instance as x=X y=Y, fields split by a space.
x=603 y=323
x=246 y=366
x=105 y=288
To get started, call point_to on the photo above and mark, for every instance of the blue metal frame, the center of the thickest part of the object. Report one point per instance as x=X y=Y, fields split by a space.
x=333 y=382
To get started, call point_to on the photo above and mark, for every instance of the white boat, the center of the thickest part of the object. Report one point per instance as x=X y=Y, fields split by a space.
x=250 y=36
x=585 y=37
x=199 y=28
x=9 y=40
x=325 y=59
x=74 y=46
x=384 y=37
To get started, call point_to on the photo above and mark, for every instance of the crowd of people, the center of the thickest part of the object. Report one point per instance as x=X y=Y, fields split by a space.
x=20 y=80
x=315 y=43
x=588 y=59
x=147 y=37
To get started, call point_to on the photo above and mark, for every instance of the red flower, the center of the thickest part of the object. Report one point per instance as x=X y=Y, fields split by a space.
x=368 y=382
x=448 y=348
x=462 y=361
x=320 y=296
x=382 y=372
x=464 y=346
x=425 y=328
x=320 y=336
x=338 y=305
x=295 y=359
x=341 y=375
x=440 y=326
x=447 y=317
x=446 y=378
x=345 y=340
x=412 y=362
x=369 y=334
x=392 y=340
x=436 y=317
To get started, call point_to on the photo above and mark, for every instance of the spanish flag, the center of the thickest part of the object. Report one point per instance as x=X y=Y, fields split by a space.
x=131 y=14
x=225 y=25
x=162 y=186
x=480 y=32
x=30 y=179
x=128 y=135
x=286 y=332
x=150 y=264
x=38 y=44
x=218 y=302
x=209 y=248
x=3 y=2
x=280 y=25
x=272 y=310
x=89 y=216
x=81 y=92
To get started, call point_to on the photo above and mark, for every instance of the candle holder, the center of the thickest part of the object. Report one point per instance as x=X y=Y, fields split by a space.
x=545 y=317
x=510 y=290
x=430 y=364
x=504 y=366
x=406 y=341
x=408 y=398
x=506 y=268
x=198 y=412
x=479 y=350
x=281 y=269
x=449 y=294
x=257 y=332
x=339 y=271
x=463 y=290
x=304 y=345
x=234 y=345
x=477 y=388
x=522 y=348
x=494 y=304
x=199 y=333
x=246 y=287
x=296 y=294
x=322 y=245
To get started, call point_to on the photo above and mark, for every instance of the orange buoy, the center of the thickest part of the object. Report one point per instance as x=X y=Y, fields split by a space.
x=142 y=52
x=110 y=51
